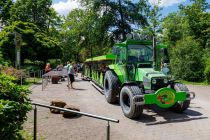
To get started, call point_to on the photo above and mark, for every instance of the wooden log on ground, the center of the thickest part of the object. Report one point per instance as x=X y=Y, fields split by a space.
x=57 y=103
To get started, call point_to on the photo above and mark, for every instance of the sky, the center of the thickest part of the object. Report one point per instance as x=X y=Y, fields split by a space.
x=63 y=7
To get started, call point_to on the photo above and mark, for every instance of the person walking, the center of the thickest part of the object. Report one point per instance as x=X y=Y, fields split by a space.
x=70 y=68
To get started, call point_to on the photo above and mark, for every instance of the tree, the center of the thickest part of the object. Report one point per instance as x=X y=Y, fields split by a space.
x=175 y=27
x=186 y=62
x=84 y=33
x=121 y=15
x=183 y=29
x=5 y=7
x=198 y=20
x=100 y=24
x=35 y=45
x=38 y=12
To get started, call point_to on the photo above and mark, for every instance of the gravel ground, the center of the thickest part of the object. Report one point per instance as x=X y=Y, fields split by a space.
x=154 y=124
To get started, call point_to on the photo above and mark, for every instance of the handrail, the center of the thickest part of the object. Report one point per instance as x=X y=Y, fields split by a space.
x=78 y=112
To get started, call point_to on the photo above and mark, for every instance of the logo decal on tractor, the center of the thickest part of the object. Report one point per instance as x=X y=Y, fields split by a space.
x=166 y=97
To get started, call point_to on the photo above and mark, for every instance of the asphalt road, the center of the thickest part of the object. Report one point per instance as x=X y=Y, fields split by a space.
x=154 y=124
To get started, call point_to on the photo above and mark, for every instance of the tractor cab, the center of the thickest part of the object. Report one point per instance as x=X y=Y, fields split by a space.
x=140 y=55
x=135 y=60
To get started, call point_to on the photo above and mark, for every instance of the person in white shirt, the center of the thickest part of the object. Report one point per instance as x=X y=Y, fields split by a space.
x=70 y=68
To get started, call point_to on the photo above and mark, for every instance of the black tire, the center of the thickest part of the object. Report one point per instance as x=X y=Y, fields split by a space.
x=111 y=87
x=180 y=106
x=130 y=109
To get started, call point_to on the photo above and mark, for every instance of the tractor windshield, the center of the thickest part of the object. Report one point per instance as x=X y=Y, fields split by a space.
x=140 y=53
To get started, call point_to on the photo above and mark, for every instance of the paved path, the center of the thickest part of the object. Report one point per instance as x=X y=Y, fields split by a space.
x=155 y=124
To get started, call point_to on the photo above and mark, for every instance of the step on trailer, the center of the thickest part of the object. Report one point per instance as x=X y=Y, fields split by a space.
x=129 y=76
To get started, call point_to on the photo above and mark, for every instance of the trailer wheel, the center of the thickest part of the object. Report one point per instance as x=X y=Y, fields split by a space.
x=130 y=109
x=111 y=87
x=180 y=106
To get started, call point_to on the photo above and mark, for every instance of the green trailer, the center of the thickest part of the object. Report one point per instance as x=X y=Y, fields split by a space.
x=129 y=76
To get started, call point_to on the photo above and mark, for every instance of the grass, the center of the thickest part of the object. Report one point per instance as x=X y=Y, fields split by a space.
x=30 y=81
x=204 y=83
x=25 y=135
x=28 y=136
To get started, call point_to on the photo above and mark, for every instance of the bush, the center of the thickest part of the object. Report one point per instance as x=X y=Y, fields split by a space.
x=206 y=59
x=207 y=71
x=186 y=60
x=2 y=61
x=14 y=104
x=15 y=73
x=33 y=65
x=54 y=62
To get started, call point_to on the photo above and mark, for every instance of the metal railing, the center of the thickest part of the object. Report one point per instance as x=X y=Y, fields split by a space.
x=31 y=74
x=76 y=112
x=45 y=80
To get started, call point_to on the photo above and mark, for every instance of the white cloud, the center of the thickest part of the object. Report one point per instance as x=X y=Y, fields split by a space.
x=63 y=8
x=166 y=3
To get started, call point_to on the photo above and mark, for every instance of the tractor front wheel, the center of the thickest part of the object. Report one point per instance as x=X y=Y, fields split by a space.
x=129 y=108
x=180 y=106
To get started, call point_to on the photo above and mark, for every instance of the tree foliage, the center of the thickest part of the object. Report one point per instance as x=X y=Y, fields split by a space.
x=119 y=15
x=5 y=6
x=35 y=46
x=99 y=25
x=83 y=31
x=187 y=32
x=38 y=12
x=175 y=28
x=186 y=60
x=198 y=20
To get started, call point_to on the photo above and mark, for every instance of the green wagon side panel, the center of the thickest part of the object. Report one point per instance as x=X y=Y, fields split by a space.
x=165 y=97
x=101 y=79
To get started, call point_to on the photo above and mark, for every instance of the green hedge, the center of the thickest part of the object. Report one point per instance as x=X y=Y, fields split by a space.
x=186 y=60
x=14 y=104
x=207 y=70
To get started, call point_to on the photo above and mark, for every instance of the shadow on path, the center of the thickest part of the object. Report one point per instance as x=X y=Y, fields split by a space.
x=169 y=117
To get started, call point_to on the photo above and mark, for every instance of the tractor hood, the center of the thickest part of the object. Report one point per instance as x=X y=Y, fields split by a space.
x=148 y=73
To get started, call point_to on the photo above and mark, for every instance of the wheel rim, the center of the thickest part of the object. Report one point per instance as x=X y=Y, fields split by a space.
x=126 y=101
x=106 y=84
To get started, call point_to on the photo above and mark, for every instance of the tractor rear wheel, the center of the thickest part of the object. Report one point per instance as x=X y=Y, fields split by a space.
x=111 y=86
x=129 y=108
x=180 y=106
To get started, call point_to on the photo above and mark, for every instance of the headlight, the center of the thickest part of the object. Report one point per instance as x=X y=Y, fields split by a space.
x=154 y=81
x=165 y=81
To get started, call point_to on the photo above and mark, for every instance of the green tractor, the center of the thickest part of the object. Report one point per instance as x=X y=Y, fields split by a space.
x=129 y=76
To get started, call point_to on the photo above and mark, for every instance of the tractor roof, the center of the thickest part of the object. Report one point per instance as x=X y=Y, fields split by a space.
x=133 y=42
x=102 y=58
x=138 y=42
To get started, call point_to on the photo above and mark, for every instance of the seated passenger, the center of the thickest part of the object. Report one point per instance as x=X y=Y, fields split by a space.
x=59 y=67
